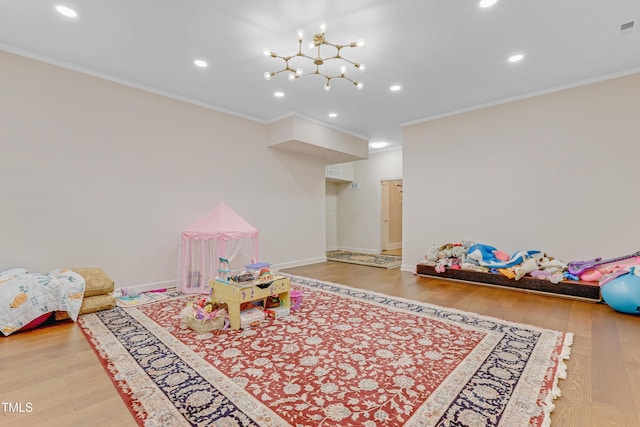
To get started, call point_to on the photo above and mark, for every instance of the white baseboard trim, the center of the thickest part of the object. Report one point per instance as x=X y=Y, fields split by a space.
x=298 y=263
x=396 y=245
x=173 y=283
x=408 y=267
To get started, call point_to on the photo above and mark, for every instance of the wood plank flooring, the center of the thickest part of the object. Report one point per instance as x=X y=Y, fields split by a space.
x=55 y=370
x=395 y=252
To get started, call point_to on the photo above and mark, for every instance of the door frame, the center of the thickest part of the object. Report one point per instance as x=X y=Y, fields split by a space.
x=384 y=208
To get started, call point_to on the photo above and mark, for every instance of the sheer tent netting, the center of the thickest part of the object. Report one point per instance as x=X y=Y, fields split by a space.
x=221 y=234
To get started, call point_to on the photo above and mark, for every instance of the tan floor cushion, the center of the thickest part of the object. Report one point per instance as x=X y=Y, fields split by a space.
x=91 y=305
x=96 y=281
x=98 y=292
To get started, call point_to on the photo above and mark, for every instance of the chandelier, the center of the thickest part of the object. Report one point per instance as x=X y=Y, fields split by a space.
x=320 y=59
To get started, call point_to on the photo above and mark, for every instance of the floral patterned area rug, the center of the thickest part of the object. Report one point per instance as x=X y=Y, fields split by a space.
x=348 y=357
x=372 y=260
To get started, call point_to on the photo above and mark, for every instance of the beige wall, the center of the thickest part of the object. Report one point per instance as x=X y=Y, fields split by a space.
x=359 y=211
x=99 y=174
x=95 y=173
x=331 y=216
x=556 y=172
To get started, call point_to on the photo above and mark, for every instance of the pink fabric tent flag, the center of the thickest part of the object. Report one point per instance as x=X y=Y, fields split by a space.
x=220 y=234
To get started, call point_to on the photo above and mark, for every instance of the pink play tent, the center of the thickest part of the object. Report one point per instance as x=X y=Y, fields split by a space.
x=221 y=233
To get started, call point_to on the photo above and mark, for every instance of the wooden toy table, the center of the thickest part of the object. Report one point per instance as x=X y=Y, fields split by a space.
x=234 y=294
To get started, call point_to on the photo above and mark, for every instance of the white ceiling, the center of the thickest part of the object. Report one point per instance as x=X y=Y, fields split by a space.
x=448 y=55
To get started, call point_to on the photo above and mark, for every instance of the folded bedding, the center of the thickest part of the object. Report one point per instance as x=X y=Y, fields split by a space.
x=25 y=296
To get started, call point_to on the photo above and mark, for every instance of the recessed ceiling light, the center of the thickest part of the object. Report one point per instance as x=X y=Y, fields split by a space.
x=378 y=144
x=516 y=58
x=278 y=94
x=487 y=3
x=333 y=115
x=200 y=63
x=395 y=88
x=66 y=11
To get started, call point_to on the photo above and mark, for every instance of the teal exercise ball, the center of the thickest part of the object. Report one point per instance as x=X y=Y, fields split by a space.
x=623 y=293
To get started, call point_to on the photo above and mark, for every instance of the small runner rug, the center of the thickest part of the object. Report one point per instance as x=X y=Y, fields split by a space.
x=383 y=261
x=349 y=357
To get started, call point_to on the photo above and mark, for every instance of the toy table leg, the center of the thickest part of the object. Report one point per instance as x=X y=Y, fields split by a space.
x=234 y=315
x=285 y=300
x=233 y=309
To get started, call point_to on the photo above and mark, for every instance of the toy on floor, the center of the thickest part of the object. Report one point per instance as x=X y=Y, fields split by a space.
x=449 y=255
x=579 y=267
x=212 y=245
x=600 y=273
x=128 y=294
x=602 y=269
x=488 y=256
x=296 y=298
x=141 y=299
x=204 y=316
x=485 y=258
x=623 y=292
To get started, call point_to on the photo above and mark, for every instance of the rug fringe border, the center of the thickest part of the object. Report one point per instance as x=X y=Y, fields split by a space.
x=561 y=373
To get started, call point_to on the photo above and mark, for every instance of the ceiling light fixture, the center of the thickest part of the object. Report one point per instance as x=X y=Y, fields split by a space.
x=333 y=115
x=66 y=11
x=516 y=58
x=395 y=88
x=377 y=145
x=278 y=94
x=200 y=63
x=319 y=40
x=487 y=3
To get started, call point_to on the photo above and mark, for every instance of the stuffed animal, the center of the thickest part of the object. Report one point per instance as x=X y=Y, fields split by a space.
x=432 y=254
x=486 y=256
x=440 y=265
x=447 y=252
x=471 y=265
x=458 y=252
x=526 y=267
x=552 y=265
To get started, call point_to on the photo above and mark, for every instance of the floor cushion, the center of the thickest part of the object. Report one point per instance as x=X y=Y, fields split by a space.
x=96 y=281
x=98 y=292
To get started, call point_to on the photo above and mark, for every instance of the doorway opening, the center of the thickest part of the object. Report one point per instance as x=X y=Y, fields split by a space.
x=391 y=217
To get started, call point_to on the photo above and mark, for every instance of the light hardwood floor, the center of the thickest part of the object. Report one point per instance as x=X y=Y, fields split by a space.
x=395 y=252
x=55 y=369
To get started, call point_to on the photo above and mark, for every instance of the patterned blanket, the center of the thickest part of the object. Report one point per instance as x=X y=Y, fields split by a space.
x=25 y=296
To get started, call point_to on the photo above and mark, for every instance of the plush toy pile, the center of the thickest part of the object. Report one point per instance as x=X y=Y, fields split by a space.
x=485 y=258
x=480 y=257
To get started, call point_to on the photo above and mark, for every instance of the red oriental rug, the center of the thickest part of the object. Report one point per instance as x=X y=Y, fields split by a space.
x=349 y=357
